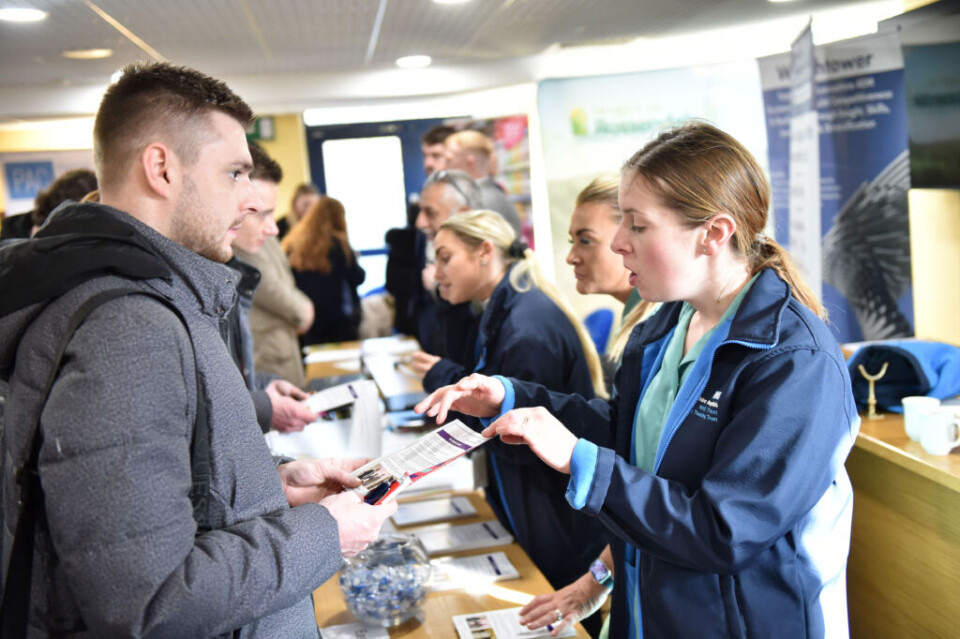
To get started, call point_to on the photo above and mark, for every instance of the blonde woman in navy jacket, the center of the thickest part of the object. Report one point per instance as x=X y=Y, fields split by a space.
x=526 y=332
x=718 y=464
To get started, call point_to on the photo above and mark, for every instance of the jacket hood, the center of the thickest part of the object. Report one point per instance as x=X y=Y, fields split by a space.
x=80 y=242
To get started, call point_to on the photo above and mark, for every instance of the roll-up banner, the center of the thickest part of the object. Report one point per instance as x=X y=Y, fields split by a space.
x=864 y=179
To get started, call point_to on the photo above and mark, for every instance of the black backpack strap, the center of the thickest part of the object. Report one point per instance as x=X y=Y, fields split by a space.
x=15 y=612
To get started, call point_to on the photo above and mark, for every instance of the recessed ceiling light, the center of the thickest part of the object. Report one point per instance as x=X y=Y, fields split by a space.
x=413 y=61
x=87 y=54
x=20 y=14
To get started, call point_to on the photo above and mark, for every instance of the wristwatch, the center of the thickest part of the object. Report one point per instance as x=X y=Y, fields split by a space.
x=601 y=574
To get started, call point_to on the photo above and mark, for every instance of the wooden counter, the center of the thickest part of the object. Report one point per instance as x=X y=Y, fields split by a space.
x=904 y=571
x=440 y=607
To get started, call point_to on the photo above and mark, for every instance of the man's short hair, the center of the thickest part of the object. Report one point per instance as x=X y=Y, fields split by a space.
x=460 y=184
x=474 y=142
x=437 y=135
x=157 y=102
x=264 y=167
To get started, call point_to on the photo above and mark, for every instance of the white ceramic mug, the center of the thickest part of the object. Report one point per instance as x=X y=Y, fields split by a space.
x=941 y=430
x=914 y=407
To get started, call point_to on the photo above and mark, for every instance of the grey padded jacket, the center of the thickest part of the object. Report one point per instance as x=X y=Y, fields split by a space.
x=118 y=554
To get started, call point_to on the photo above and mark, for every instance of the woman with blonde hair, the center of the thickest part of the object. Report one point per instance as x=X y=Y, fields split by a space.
x=325 y=269
x=718 y=464
x=597 y=269
x=526 y=331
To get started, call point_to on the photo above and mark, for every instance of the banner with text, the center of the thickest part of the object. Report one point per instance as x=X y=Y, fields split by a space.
x=805 y=161
x=26 y=174
x=864 y=179
x=590 y=126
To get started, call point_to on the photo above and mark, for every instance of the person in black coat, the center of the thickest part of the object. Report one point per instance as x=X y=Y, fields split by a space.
x=525 y=331
x=325 y=268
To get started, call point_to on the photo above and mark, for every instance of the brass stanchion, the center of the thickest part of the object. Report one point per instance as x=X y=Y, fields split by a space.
x=871 y=395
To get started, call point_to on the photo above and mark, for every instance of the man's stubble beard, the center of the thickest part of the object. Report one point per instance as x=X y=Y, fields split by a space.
x=196 y=229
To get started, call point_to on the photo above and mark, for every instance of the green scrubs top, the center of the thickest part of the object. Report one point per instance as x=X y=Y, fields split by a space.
x=662 y=391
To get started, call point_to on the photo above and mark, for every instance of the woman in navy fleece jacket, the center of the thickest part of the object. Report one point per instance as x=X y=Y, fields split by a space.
x=525 y=332
x=718 y=463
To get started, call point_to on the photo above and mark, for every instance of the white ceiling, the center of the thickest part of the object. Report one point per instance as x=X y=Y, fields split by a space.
x=327 y=51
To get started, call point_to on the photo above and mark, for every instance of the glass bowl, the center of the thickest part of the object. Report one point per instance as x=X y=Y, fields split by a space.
x=385 y=584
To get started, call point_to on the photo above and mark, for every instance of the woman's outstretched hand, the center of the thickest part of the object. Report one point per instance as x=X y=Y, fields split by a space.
x=476 y=395
x=542 y=432
x=574 y=603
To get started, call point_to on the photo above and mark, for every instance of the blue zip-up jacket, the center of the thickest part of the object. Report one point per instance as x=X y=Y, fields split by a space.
x=527 y=336
x=743 y=530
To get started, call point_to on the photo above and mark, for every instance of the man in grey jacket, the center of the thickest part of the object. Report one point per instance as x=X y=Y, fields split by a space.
x=117 y=552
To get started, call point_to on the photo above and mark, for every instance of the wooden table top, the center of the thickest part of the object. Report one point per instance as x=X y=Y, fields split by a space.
x=440 y=607
x=887 y=438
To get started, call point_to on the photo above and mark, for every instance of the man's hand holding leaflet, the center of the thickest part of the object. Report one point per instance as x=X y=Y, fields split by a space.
x=391 y=473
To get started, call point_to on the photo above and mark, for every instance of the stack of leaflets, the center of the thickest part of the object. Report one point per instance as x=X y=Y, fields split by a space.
x=391 y=473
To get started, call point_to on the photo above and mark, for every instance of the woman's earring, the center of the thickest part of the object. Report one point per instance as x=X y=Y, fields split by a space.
x=483 y=262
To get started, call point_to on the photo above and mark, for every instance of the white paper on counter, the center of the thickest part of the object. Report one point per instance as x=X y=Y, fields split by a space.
x=358 y=630
x=447 y=538
x=433 y=510
x=501 y=624
x=449 y=573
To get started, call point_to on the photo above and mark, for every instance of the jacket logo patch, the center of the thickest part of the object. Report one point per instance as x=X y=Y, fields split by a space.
x=707 y=408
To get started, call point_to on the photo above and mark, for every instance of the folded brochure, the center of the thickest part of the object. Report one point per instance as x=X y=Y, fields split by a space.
x=391 y=473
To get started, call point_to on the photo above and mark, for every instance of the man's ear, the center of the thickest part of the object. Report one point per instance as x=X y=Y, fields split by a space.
x=161 y=169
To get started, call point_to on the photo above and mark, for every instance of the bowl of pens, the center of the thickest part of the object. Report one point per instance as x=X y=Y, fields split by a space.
x=385 y=584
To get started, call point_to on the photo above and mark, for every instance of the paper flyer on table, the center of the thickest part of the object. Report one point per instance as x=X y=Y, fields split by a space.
x=358 y=630
x=447 y=538
x=392 y=473
x=449 y=573
x=499 y=624
x=432 y=510
x=331 y=355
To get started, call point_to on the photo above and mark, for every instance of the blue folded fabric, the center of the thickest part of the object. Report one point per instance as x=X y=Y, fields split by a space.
x=916 y=367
